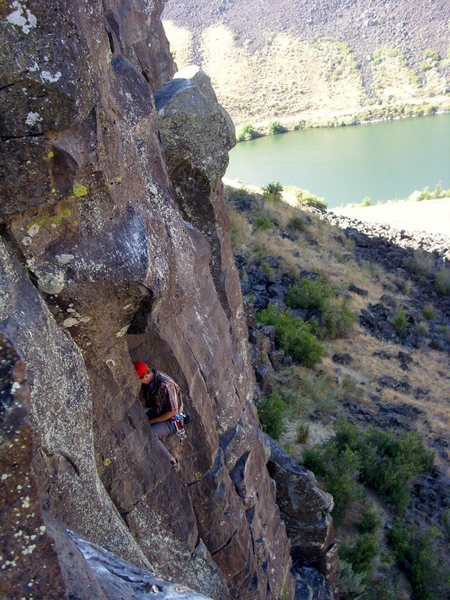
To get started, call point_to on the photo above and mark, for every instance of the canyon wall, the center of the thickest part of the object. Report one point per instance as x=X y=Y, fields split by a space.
x=114 y=247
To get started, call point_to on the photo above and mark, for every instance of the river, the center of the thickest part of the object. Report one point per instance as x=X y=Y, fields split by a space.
x=381 y=161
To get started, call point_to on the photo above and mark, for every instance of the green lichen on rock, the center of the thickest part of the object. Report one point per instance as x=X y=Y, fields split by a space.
x=79 y=191
x=46 y=220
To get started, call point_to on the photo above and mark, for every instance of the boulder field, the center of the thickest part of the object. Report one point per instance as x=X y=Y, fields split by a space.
x=114 y=247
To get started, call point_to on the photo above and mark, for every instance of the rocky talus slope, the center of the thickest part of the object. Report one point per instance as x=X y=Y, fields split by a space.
x=383 y=370
x=114 y=246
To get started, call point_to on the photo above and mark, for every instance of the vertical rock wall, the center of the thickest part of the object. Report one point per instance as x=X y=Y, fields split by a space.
x=114 y=246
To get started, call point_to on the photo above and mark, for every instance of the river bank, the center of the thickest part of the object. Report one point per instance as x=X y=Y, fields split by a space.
x=379 y=114
x=429 y=216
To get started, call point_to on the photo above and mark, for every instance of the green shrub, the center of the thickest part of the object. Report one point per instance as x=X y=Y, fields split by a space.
x=339 y=472
x=400 y=321
x=442 y=282
x=415 y=551
x=271 y=412
x=421 y=328
x=302 y=432
x=380 y=459
x=420 y=264
x=247 y=132
x=389 y=463
x=266 y=268
x=337 y=319
x=309 y=392
x=350 y=389
x=350 y=584
x=262 y=222
x=432 y=55
x=238 y=227
x=306 y=198
x=359 y=553
x=369 y=520
x=366 y=202
x=309 y=293
x=293 y=335
x=428 y=312
x=424 y=194
x=272 y=191
x=276 y=127
x=297 y=223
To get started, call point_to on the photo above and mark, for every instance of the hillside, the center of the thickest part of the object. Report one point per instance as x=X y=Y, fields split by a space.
x=350 y=341
x=303 y=62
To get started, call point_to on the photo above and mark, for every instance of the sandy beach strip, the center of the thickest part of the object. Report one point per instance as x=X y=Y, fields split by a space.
x=430 y=216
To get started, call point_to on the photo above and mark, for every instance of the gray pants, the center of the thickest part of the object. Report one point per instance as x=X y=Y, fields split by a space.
x=160 y=432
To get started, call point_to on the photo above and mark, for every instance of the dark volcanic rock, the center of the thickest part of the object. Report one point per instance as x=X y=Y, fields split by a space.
x=306 y=509
x=342 y=358
x=357 y=290
x=394 y=384
x=310 y=584
x=114 y=247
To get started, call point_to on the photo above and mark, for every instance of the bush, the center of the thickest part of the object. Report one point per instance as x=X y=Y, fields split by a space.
x=359 y=553
x=424 y=194
x=420 y=265
x=400 y=321
x=238 y=229
x=350 y=584
x=293 y=335
x=421 y=328
x=442 y=282
x=309 y=293
x=339 y=472
x=428 y=312
x=415 y=551
x=266 y=268
x=271 y=411
x=276 y=127
x=432 y=55
x=262 y=222
x=302 y=432
x=310 y=392
x=297 y=223
x=390 y=462
x=376 y=458
x=366 y=202
x=337 y=319
x=246 y=133
x=306 y=198
x=369 y=520
x=272 y=191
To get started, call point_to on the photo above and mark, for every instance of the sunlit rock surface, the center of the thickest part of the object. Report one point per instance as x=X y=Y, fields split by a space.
x=114 y=246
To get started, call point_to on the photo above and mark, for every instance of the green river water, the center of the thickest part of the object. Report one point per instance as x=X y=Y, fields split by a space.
x=382 y=161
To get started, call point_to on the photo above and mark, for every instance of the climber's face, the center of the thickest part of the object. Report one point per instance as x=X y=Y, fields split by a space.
x=147 y=377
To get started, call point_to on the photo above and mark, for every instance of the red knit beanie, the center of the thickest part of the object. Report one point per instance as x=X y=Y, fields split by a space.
x=140 y=368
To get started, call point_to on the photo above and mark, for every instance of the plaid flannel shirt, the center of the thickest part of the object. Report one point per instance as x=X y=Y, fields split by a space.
x=165 y=397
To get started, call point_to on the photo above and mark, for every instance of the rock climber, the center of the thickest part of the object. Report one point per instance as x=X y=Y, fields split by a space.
x=162 y=399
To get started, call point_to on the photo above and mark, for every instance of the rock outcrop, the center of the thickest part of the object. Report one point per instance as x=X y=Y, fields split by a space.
x=114 y=246
x=306 y=509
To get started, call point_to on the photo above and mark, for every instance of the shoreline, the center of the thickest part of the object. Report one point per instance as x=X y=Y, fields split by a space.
x=430 y=217
x=262 y=129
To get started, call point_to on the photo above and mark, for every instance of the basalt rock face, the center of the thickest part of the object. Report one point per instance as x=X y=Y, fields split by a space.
x=306 y=509
x=113 y=247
